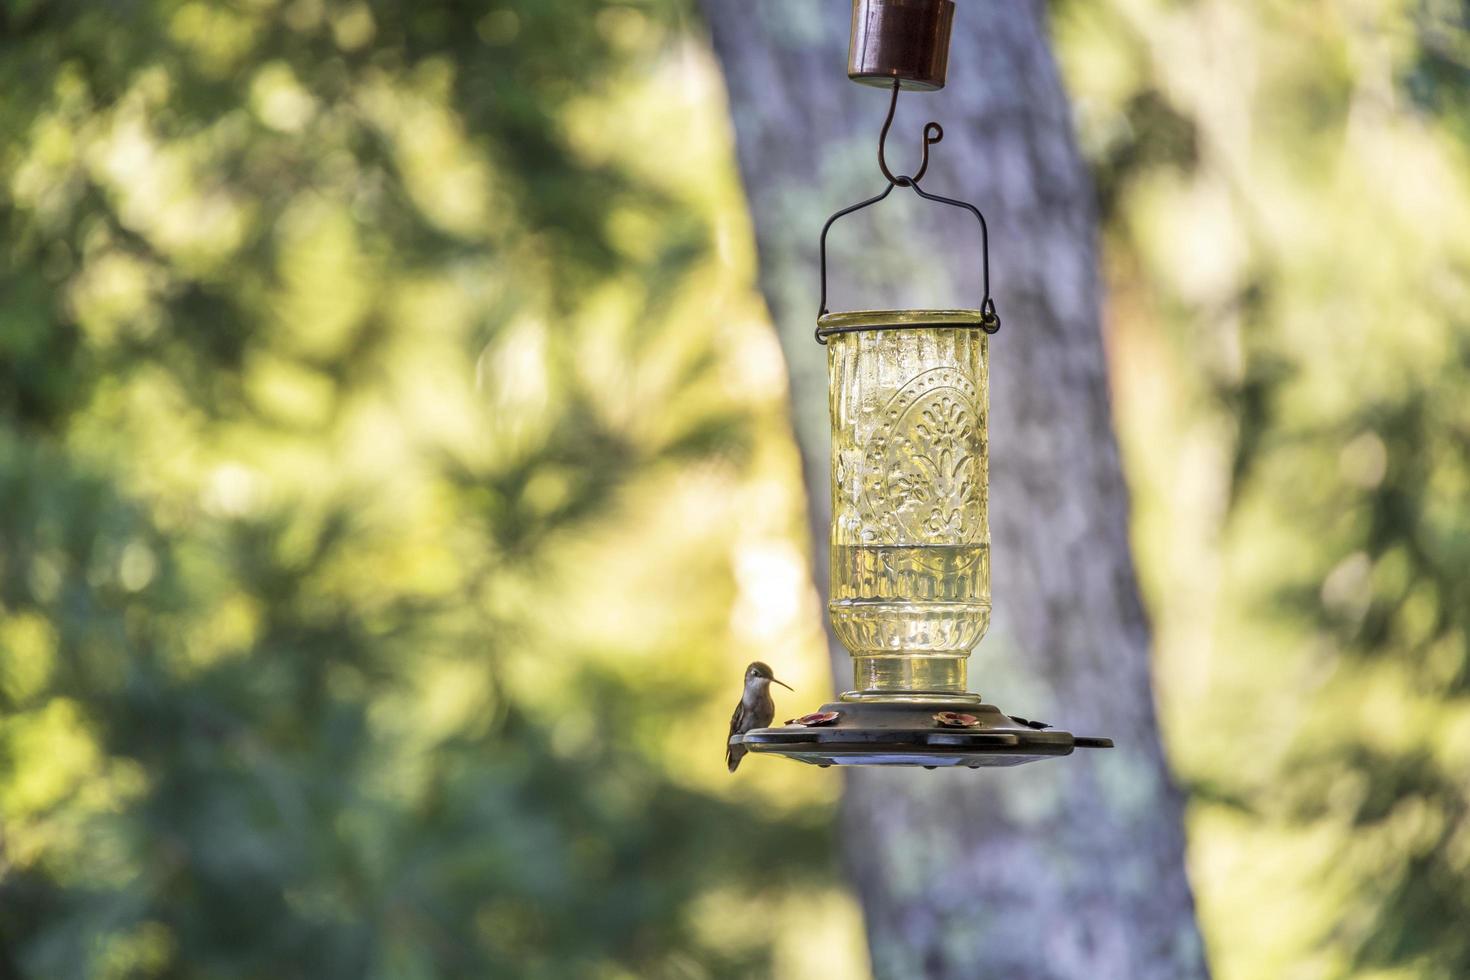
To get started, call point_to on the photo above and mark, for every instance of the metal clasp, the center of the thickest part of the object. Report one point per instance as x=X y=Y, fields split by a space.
x=933 y=133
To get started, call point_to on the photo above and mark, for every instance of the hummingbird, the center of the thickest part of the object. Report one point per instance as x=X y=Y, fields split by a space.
x=755 y=710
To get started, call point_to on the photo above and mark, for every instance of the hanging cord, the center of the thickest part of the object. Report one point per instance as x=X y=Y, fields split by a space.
x=933 y=133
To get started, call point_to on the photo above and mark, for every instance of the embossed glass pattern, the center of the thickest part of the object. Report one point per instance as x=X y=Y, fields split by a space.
x=910 y=593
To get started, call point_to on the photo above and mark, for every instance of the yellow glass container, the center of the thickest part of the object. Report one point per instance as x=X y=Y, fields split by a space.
x=910 y=574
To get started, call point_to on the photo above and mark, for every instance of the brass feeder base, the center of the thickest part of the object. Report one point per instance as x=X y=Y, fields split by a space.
x=885 y=733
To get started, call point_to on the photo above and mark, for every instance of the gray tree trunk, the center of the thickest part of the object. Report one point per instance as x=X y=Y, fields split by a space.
x=1071 y=868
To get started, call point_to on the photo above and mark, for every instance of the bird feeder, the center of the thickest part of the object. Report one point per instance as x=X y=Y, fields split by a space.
x=910 y=535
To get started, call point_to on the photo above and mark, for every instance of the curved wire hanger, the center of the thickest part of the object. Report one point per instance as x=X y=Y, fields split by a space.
x=933 y=133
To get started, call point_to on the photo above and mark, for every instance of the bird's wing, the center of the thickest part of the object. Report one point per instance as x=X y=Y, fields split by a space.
x=734 y=753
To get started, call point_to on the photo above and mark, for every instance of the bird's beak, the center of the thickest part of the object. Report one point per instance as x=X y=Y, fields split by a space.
x=784 y=684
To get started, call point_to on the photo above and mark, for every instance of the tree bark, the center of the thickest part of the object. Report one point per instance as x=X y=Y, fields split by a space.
x=1060 y=869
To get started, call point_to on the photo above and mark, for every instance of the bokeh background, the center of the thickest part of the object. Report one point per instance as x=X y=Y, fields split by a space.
x=396 y=474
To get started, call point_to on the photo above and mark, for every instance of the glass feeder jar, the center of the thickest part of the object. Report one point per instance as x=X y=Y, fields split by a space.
x=910 y=558
x=910 y=573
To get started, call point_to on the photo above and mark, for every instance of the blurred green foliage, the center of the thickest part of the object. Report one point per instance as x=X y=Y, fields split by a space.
x=1286 y=190
x=363 y=370
x=394 y=475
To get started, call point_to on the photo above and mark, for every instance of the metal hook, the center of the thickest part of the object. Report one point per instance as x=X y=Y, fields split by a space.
x=933 y=133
